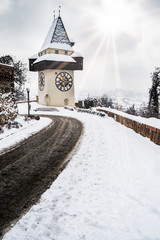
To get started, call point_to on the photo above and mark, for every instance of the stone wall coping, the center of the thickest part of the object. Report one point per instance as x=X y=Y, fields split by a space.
x=152 y=122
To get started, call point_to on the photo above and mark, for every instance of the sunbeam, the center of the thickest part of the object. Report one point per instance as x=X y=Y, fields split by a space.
x=92 y=62
x=116 y=66
x=103 y=77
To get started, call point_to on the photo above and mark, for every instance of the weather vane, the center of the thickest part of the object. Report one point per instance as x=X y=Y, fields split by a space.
x=59 y=10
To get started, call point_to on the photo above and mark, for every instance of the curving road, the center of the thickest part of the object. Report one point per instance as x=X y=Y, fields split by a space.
x=29 y=169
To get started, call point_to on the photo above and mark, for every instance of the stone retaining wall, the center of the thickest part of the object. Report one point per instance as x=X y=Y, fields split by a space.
x=145 y=130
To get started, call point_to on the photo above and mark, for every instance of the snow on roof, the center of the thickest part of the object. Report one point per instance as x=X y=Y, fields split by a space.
x=76 y=54
x=8 y=65
x=35 y=56
x=72 y=40
x=60 y=34
x=55 y=57
x=62 y=46
x=57 y=37
x=48 y=38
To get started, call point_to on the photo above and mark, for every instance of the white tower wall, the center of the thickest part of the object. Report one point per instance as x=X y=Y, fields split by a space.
x=51 y=95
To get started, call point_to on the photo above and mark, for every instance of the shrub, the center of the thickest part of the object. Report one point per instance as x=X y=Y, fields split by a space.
x=8 y=108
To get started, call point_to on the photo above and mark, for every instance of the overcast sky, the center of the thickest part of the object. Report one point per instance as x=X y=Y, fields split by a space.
x=119 y=39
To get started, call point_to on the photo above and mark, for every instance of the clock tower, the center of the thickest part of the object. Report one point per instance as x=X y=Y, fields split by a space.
x=55 y=63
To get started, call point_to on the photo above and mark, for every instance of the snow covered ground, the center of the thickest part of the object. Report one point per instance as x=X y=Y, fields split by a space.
x=108 y=191
x=12 y=136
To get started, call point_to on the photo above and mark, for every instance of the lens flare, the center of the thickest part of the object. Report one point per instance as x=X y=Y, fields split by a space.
x=114 y=17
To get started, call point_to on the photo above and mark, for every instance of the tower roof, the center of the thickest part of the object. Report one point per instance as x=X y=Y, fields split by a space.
x=57 y=37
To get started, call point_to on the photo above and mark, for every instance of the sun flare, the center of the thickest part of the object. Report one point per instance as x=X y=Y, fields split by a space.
x=114 y=17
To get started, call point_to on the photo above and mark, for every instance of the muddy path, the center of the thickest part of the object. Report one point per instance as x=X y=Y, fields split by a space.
x=30 y=168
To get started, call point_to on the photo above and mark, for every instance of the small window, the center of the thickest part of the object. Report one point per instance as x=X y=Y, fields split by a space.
x=66 y=52
x=45 y=52
x=56 y=51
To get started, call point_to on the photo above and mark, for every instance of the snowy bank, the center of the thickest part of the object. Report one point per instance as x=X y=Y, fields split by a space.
x=12 y=136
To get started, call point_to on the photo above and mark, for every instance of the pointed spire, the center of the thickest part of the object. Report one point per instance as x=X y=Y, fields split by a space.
x=57 y=34
x=60 y=34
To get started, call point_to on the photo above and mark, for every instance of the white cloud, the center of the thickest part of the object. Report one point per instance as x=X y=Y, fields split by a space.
x=4 y=5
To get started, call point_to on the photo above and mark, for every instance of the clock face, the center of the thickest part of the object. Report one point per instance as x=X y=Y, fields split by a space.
x=41 y=81
x=64 y=81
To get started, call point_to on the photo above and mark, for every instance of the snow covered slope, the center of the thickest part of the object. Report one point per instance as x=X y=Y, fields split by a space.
x=108 y=191
x=13 y=136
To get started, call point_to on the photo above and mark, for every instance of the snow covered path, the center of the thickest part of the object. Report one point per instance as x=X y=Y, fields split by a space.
x=108 y=191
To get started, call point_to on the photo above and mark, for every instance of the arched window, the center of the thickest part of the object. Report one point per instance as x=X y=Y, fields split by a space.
x=66 y=101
